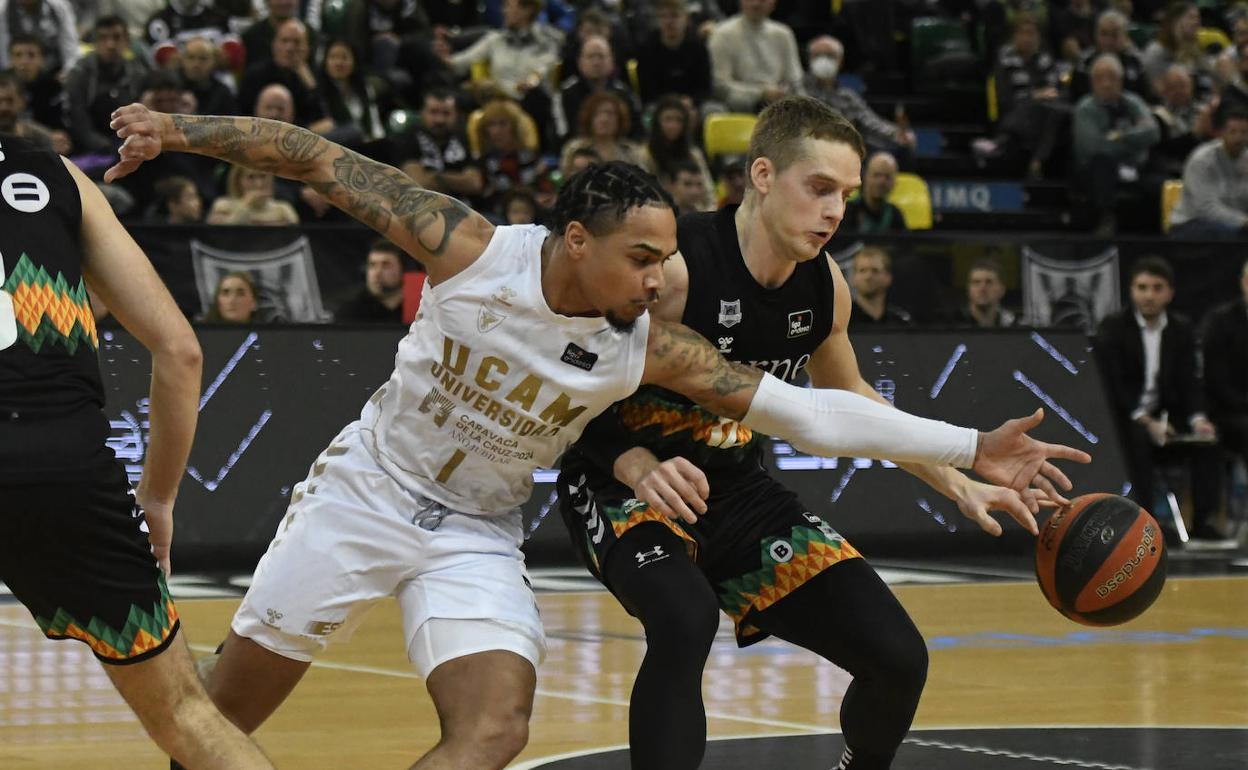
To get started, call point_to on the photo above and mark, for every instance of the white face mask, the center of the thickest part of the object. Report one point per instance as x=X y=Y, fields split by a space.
x=824 y=67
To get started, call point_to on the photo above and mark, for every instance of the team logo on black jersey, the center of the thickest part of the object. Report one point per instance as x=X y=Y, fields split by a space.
x=729 y=312
x=25 y=192
x=579 y=357
x=801 y=323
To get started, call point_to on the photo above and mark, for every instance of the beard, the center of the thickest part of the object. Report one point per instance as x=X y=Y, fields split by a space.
x=619 y=324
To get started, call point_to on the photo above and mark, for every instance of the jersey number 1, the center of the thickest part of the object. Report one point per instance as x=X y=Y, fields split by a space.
x=8 y=319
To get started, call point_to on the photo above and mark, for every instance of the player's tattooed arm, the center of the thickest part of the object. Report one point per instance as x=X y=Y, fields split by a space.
x=680 y=359
x=427 y=224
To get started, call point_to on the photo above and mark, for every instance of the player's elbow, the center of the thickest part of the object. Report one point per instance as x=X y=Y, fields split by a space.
x=180 y=350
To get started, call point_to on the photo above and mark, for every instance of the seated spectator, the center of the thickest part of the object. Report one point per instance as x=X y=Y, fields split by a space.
x=1113 y=131
x=381 y=298
x=258 y=38
x=506 y=161
x=595 y=72
x=669 y=150
x=12 y=107
x=348 y=97
x=822 y=82
x=754 y=60
x=1032 y=111
x=1225 y=346
x=249 y=201
x=1215 y=185
x=197 y=64
x=1184 y=123
x=1073 y=29
x=870 y=212
x=1227 y=64
x=1177 y=43
x=520 y=58
x=673 y=60
x=275 y=102
x=235 y=300
x=870 y=277
x=689 y=189
x=99 y=83
x=520 y=207
x=182 y=19
x=45 y=98
x=1148 y=358
x=52 y=22
x=603 y=124
x=382 y=27
x=592 y=22
x=1234 y=95
x=437 y=149
x=133 y=13
x=1112 y=38
x=582 y=158
x=984 y=291
x=289 y=66
x=178 y=202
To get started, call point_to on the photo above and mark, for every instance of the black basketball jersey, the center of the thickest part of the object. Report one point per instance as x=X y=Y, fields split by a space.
x=774 y=329
x=50 y=391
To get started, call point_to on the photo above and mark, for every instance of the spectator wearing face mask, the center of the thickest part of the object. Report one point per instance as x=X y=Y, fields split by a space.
x=822 y=82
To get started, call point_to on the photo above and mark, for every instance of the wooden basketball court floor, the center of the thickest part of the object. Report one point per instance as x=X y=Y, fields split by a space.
x=1011 y=684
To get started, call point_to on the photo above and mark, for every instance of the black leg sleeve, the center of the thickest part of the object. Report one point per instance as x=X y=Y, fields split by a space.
x=652 y=575
x=847 y=615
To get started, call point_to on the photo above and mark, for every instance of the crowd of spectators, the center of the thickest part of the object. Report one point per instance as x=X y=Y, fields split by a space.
x=497 y=102
x=513 y=95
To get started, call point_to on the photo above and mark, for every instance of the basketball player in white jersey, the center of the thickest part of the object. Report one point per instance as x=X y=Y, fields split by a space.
x=524 y=335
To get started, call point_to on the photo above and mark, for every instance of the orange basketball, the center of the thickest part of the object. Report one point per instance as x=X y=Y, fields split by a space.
x=1101 y=560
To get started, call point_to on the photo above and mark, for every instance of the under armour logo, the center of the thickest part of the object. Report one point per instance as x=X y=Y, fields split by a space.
x=651 y=556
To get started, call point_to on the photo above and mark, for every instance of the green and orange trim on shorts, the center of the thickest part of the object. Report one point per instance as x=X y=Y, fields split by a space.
x=787 y=563
x=143 y=635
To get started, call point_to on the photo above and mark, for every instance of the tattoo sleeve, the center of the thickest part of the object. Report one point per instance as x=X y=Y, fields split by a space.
x=688 y=364
x=378 y=195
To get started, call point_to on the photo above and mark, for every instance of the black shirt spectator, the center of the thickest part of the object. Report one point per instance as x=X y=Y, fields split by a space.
x=99 y=83
x=181 y=19
x=673 y=60
x=871 y=212
x=288 y=67
x=197 y=64
x=871 y=276
x=595 y=69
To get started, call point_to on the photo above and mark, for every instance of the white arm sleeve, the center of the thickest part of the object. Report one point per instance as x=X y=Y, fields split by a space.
x=838 y=423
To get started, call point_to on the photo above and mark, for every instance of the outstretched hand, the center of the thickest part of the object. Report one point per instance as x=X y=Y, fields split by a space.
x=1010 y=458
x=140 y=128
x=977 y=501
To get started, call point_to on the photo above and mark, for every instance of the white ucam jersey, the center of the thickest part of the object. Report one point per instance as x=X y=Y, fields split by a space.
x=490 y=383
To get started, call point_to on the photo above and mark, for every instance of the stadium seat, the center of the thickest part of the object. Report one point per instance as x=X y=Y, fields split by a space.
x=634 y=78
x=727 y=133
x=479 y=71
x=1212 y=39
x=528 y=129
x=1170 y=192
x=994 y=111
x=911 y=195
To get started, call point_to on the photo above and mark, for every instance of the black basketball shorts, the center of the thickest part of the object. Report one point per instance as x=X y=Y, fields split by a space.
x=756 y=543
x=75 y=552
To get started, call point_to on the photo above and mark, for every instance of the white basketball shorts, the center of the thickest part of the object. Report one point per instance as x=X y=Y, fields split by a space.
x=353 y=536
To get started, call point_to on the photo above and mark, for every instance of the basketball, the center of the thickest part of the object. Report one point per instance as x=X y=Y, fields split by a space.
x=1101 y=560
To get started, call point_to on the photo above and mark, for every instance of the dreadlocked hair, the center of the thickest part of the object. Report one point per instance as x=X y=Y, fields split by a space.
x=601 y=195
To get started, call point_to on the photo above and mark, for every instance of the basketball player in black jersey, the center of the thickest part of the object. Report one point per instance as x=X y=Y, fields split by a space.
x=634 y=489
x=613 y=230
x=83 y=552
